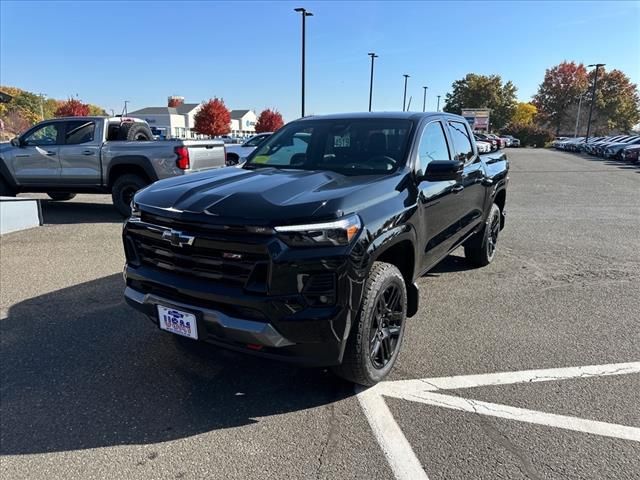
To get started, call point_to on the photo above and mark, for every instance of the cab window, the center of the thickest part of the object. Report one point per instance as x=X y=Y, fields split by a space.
x=433 y=145
x=461 y=141
x=78 y=132
x=44 y=135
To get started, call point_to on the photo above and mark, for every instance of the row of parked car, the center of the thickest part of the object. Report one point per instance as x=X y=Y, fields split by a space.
x=490 y=142
x=619 y=147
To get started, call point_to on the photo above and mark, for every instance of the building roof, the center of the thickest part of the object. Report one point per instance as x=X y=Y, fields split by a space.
x=155 y=111
x=187 y=108
x=238 y=114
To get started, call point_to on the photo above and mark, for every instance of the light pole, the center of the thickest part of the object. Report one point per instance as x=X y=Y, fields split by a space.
x=424 y=99
x=124 y=110
x=372 y=55
x=438 y=107
x=593 y=98
x=304 y=14
x=575 y=133
x=404 y=98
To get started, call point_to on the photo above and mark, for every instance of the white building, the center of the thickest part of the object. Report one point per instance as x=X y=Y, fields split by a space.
x=170 y=122
x=243 y=123
x=177 y=120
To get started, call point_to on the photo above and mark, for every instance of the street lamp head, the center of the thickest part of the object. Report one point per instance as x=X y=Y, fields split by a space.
x=372 y=55
x=308 y=14
x=405 y=75
x=597 y=65
x=299 y=9
x=425 y=87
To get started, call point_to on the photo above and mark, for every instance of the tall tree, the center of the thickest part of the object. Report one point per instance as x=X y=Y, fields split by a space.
x=213 y=118
x=561 y=88
x=481 y=91
x=524 y=113
x=72 y=108
x=617 y=107
x=269 y=121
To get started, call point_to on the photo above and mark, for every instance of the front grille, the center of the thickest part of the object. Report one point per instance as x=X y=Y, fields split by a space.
x=205 y=258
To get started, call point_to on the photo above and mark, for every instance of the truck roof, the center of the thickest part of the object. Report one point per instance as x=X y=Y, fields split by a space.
x=380 y=115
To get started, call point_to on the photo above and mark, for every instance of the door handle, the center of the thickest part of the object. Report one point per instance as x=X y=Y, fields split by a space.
x=457 y=188
x=87 y=152
x=50 y=154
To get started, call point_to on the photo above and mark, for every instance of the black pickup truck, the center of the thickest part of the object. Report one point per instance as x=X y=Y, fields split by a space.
x=310 y=251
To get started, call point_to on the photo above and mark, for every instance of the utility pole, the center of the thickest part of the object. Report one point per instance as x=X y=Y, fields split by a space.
x=372 y=55
x=304 y=13
x=404 y=98
x=593 y=98
x=438 y=107
x=424 y=99
x=42 y=95
x=575 y=133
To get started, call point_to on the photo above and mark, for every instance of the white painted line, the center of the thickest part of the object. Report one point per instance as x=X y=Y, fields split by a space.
x=523 y=415
x=402 y=460
x=507 y=378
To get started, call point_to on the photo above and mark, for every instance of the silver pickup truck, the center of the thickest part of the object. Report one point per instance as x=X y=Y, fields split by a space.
x=65 y=156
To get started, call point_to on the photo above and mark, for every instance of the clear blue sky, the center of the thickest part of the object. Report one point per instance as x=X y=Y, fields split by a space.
x=249 y=52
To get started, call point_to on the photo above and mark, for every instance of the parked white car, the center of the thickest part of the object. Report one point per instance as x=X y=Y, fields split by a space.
x=238 y=153
x=483 y=147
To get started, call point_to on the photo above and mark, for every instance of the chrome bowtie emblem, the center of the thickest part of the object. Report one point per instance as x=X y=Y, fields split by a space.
x=177 y=238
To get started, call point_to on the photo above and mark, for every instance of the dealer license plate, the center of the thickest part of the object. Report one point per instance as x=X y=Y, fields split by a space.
x=178 y=322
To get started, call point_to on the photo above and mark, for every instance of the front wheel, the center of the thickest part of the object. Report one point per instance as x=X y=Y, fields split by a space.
x=480 y=250
x=376 y=336
x=60 y=196
x=123 y=190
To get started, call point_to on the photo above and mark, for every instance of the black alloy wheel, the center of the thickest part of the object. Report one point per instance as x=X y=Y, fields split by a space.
x=386 y=326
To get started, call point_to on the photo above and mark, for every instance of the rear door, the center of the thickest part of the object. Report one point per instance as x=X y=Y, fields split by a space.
x=436 y=199
x=470 y=191
x=36 y=161
x=80 y=153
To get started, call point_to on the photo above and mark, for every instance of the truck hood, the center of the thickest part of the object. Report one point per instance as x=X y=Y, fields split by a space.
x=266 y=195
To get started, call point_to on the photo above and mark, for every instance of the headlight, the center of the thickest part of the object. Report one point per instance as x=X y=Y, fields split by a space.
x=338 y=232
x=135 y=211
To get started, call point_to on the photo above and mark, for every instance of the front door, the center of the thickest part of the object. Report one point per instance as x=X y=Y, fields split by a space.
x=80 y=153
x=36 y=161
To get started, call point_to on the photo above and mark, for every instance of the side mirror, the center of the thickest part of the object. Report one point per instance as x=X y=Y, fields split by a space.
x=16 y=142
x=440 y=170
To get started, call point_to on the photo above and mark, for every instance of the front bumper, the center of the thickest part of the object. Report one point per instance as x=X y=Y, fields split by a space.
x=311 y=337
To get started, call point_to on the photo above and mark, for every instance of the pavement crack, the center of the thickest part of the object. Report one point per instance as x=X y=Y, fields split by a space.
x=327 y=441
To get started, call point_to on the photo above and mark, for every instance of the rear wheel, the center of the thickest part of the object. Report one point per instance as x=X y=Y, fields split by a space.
x=376 y=336
x=123 y=190
x=481 y=249
x=232 y=159
x=60 y=196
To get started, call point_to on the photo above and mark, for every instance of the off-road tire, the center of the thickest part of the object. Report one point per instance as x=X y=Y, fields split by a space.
x=60 y=196
x=123 y=190
x=135 y=131
x=232 y=160
x=357 y=365
x=481 y=249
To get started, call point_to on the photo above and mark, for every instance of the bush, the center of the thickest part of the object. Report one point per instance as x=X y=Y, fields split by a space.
x=529 y=135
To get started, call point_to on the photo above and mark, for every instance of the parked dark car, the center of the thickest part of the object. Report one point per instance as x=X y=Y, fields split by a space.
x=613 y=150
x=310 y=251
x=630 y=153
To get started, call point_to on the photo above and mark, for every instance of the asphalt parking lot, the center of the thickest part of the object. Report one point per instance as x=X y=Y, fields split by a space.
x=90 y=389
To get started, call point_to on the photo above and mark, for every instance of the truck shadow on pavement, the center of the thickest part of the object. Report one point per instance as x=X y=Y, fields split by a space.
x=57 y=213
x=80 y=369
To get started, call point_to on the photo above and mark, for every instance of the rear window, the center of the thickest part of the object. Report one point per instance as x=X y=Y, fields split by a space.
x=353 y=147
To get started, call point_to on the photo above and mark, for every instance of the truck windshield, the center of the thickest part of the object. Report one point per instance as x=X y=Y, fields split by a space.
x=352 y=147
